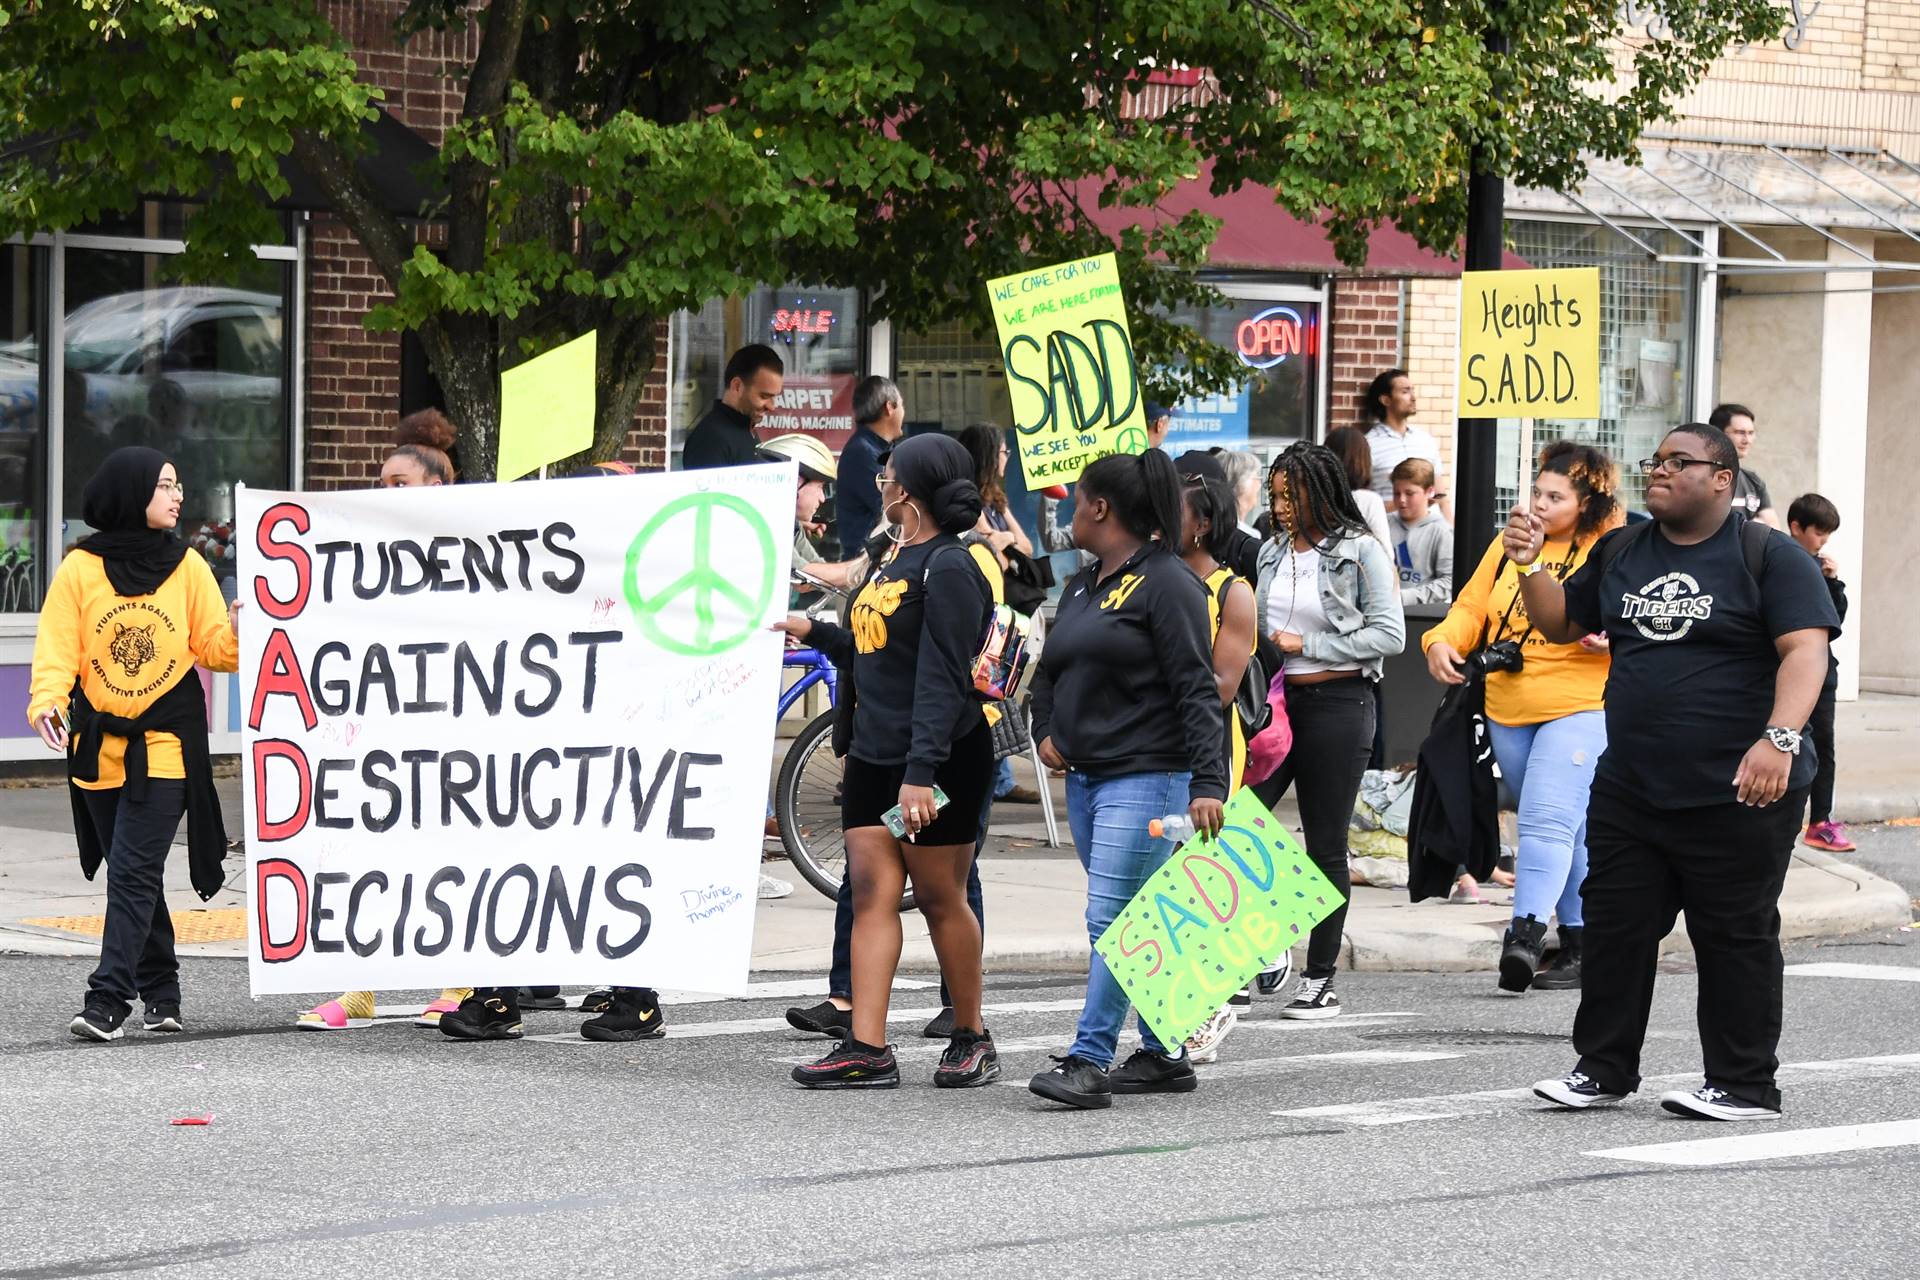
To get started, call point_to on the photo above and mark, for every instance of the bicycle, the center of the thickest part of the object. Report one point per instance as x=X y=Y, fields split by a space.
x=806 y=796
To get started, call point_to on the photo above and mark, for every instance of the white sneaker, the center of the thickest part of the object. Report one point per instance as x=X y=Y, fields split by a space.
x=1313 y=998
x=771 y=888
x=1709 y=1103
x=1204 y=1044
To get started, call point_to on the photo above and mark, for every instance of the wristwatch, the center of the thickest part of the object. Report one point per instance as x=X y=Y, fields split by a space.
x=1787 y=740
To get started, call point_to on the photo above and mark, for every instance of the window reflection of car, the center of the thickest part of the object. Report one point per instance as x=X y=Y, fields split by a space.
x=202 y=363
x=19 y=386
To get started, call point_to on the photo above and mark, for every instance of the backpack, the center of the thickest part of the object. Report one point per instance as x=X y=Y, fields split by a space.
x=1754 y=537
x=1250 y=701
x=1000 y=660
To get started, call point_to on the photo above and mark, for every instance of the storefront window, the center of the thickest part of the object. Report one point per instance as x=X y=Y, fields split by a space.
x=815 y=331
x=199 y=372
x=1647 y=357
x=1277 y=340
x=22 y=426
x=951 y=378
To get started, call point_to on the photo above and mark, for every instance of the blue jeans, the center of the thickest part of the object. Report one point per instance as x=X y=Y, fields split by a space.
x=840 y=974
x=1109 y=817
x=1003 y=778
x=1550 y=768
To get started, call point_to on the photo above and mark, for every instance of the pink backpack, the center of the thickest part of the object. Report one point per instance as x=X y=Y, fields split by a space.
x=1269 y=747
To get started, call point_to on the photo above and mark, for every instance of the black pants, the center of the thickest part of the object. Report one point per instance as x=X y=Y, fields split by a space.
x=1332 y=738
x=136 y=947
x=1723 y=865
x=1820 y=729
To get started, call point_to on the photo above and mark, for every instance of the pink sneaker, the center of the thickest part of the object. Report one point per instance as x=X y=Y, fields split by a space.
x=1831 y=836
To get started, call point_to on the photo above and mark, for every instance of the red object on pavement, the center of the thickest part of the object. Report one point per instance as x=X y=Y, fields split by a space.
x=195 y=1120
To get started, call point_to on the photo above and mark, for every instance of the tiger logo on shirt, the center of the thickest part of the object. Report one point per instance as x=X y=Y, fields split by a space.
x=132 y=647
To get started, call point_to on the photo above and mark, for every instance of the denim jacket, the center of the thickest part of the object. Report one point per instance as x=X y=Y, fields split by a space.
x=1357 y=591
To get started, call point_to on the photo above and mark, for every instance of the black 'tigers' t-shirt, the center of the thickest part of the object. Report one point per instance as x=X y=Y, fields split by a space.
x=1694 y=661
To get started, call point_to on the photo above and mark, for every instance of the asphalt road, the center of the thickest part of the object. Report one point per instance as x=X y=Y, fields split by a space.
x=395 y=1152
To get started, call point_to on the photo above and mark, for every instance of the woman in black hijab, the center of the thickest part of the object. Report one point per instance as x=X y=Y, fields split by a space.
x=910 y=724
x=129 y=614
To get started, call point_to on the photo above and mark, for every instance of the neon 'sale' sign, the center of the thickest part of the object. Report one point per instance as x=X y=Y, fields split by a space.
x=806 y=320
x=1268 y=338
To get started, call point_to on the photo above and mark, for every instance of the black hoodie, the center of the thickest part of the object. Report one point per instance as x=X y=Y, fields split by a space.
x=1126 y=679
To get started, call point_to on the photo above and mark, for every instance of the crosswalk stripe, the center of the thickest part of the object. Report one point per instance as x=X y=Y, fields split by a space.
x=1835 y=969
x=754 y=1026
x=1451 y=1106
x=1248 y=1067
x=1774 y=1145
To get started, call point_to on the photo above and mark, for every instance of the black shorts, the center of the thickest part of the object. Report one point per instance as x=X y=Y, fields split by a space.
x=869 y=790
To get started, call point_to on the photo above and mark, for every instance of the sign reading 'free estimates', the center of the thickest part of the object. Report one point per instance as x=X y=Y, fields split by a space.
x=503 y=734
x=1530 y=343
x=1071 y=376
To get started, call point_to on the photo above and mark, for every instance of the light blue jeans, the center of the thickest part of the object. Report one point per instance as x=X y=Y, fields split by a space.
x=1550 y=768
x=1109 y=817
x=1003 y=778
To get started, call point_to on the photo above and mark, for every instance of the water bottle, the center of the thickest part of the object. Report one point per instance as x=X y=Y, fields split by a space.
x=1177 y=827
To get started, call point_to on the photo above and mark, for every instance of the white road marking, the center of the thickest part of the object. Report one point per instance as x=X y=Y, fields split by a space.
x=1270 y=1066
x=1451 y=1106
x=755 y=991
x=1834 y=969
x=754 y=1026
x=1773 y=1145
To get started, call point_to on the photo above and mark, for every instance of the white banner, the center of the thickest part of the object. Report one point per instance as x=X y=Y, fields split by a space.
x=510 y=734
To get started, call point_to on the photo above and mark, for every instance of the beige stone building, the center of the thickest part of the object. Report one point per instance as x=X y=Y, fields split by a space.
x=1766 y=251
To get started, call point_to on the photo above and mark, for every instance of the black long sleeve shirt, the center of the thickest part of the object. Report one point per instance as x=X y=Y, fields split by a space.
x=722 y=438
x=912 y=634
x=1126 y=679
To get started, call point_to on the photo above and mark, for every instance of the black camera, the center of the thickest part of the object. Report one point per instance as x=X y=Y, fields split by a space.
x=1502 y=656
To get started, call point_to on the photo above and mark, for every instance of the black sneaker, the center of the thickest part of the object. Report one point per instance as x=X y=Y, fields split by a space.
x=1564 y=973
x=1076 y=1082
x=941 y=1028
x=823 y=1019
x=1709 y=1103
x=969 y=1062
x=483 y=1016
x=1520 y=953
x=634 y=1015
x=850 y=1065
x=95 y=1025
x=1275 y=975
x=1576 y=1090
x=1313 y=998
x=163 y=1017
x=1149 y=1072
x=539 y=998
x=599 y=1000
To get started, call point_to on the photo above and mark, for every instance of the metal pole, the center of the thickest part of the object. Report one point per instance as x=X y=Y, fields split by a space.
x=1475 y=441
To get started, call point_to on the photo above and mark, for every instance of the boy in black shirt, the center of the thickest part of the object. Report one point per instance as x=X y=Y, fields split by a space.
x=1719 y=632
x=1811 y=520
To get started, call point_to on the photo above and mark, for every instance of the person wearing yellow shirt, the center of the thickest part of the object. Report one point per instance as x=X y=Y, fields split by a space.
x=1544 y=707
x=129 y=614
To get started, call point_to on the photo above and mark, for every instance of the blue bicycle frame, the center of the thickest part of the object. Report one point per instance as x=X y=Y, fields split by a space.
x=819 y=670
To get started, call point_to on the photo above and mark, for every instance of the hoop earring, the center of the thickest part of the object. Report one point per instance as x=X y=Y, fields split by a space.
x=895 y=525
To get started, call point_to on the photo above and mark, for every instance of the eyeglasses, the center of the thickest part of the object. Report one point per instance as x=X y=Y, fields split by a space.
x=173 y=487
x=1674 y=464
x=882 y=480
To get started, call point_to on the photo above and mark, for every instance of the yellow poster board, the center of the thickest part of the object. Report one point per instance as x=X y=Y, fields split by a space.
x=1071 y=374
x=1530 y=343
x=546 y=408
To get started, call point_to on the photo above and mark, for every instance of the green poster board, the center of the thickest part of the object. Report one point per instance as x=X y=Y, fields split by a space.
x=1213 y=916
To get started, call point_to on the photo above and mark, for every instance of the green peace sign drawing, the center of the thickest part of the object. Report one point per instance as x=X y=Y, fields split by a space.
x=703 y=581
x=1131 y=440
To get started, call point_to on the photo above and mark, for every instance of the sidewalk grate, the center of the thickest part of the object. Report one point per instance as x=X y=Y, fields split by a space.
x=217 y=924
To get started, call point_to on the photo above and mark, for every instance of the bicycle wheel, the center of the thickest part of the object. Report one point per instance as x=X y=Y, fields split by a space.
x=806 y=801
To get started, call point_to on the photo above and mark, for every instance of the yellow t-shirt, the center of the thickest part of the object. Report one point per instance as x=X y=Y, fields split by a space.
x=127 y=651
x=1557 y=679
x=1236 y=732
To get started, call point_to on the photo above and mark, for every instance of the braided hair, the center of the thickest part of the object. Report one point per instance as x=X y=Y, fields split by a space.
x=1144 y=491
x=1314 y=476
x=1595 y=478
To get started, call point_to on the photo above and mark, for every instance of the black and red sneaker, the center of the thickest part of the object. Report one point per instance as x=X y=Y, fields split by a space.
x=969 y=1062
x=851 y=1065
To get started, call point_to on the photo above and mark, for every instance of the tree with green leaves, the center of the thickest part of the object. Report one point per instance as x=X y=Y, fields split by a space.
x=614 y=163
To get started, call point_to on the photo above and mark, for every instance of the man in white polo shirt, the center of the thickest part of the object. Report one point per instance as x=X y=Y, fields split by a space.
x=1388 y=406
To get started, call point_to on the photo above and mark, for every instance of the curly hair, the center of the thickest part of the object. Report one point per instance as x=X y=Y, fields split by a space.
x=427 y=437
x=1595 y=478
x=1319 y=477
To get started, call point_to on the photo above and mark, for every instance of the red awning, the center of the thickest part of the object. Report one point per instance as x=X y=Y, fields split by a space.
x=1256 y=234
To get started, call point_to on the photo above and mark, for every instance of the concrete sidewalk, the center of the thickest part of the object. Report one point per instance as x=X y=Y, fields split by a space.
x=1035 y=895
